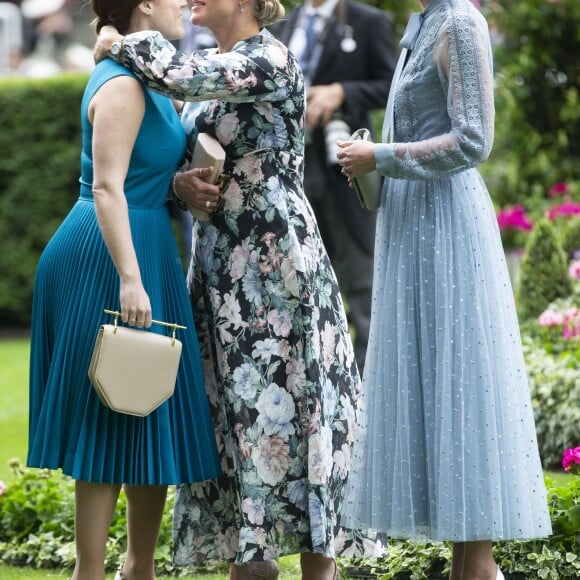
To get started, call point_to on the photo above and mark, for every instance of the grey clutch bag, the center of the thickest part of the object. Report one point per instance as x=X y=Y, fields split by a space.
x=134 y=371
x=368 y=185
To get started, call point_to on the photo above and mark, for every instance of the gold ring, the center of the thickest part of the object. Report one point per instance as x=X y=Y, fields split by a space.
x=208 y=204
x=132 y=319
x=140 y=321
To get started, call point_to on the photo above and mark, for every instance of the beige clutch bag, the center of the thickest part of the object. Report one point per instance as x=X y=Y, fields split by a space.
x=207 y=153
x=134 y=371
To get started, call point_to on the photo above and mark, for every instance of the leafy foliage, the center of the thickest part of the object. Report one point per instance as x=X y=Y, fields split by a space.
x=544 y=273
x=537 y=100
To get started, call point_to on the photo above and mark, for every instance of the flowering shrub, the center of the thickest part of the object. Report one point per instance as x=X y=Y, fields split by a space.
x=514 y=224
x=565 y=209
x=571 y=460
x=559 y=189
x=574 y=270
x=568 y=321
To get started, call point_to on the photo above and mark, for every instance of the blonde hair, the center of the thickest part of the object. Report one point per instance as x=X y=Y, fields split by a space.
x=268 y=11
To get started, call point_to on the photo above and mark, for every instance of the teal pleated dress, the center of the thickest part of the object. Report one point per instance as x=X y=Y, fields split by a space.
x=75 y=281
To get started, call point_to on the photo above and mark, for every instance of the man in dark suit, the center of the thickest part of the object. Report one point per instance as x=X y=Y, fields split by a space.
x=348 y=56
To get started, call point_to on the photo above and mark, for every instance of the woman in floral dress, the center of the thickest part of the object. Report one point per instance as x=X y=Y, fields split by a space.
x=280 y=370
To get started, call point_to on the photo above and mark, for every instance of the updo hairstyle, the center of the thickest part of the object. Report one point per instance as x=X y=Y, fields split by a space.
x=268 y=11
x=115 y=13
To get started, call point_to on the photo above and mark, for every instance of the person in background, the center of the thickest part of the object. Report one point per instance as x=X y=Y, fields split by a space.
x=347 y=54
x=450 y=451
x=279 y=362
x=116 y=250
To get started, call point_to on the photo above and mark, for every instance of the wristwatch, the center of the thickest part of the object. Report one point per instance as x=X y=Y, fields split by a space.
x=117 y=50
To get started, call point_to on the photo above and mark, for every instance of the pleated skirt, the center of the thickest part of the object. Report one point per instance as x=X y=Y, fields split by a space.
x=448 y=447
x=69 y=427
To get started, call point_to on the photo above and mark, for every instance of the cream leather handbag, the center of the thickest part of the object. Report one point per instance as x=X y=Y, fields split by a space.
x=134 y=371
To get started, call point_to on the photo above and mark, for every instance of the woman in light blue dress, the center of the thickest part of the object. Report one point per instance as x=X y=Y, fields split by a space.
x=450 y=450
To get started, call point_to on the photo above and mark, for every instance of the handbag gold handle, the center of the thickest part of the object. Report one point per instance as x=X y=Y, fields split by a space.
x=171 y=325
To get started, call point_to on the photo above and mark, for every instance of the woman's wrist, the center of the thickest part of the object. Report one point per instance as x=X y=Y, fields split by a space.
x=173 y=192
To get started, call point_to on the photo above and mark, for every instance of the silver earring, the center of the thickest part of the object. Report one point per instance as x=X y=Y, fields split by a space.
x=242 y=8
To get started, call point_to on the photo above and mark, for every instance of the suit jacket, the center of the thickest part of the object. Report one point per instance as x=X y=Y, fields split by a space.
x=365 y=75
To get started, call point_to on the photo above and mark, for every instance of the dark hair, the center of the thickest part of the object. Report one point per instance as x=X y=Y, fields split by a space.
x=116 y=13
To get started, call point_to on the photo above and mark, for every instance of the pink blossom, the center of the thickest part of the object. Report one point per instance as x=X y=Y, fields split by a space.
x=574 y=270
x=2 y=487
x=514 y=218
x=551 y=318
x=565 y=209
x=558 y=189
x=571 y=460
x=571 y=324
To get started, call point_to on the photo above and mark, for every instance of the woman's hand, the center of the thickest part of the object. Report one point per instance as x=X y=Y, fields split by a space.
x=105 y=39
x=193 y=188
x=356 y=157
x=135 y=305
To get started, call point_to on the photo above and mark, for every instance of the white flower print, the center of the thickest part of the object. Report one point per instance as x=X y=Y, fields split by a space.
x=227 y=127
x=231 y=311
x=317 y=520
x=265 y=349
x=250 y=167
x=348 y=415
x=342 y=461
x=277 y=409
x=329 y=399
x=246 y=381
x=320 y=456
x=271 y=459
x=328 y=344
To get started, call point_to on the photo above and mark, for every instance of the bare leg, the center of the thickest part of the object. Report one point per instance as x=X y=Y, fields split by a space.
x=145 y=504
x=478 y=562
x=457 y=561
x=94 y=507
x=267 y=570
x=317 y=567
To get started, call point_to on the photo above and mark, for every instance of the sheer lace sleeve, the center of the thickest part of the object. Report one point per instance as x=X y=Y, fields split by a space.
x=462 y=55
x=250 y=72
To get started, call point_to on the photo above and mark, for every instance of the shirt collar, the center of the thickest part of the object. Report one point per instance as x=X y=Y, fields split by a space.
x=326 y=9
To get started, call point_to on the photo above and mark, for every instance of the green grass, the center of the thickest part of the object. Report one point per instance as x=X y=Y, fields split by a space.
x=13 y=402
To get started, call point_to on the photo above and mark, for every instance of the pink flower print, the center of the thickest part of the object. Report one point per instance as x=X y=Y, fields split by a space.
x=272 y=459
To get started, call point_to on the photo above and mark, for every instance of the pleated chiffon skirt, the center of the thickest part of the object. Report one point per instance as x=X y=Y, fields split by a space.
x=69 y=427
x=449 y=451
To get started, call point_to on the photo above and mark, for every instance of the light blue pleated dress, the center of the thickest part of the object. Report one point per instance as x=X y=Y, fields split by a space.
x=448 y=451
x=75 y=281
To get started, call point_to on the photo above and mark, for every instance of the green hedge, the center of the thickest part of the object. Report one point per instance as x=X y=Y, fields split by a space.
x=39 y=170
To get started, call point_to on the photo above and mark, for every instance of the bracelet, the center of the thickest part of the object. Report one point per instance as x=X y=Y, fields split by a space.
x=173 y=194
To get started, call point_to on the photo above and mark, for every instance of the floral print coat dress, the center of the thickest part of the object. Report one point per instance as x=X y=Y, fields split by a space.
x=281 y=377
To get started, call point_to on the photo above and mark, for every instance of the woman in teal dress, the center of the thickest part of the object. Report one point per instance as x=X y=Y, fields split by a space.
x=450 y=451
x=279 y=362
x=116 y=250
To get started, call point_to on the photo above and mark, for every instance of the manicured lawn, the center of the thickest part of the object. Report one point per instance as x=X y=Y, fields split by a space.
x=13 y=403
